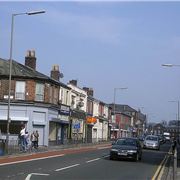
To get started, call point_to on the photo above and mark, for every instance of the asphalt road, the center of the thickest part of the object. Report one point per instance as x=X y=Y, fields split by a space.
x=86 y=165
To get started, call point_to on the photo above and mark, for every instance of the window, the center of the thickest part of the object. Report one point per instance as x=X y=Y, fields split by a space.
x=39 y=92
x=50 y=94
x=61 y=95
x=20 y=90
x=67 y=94
x=55 y=99
x=72 y=101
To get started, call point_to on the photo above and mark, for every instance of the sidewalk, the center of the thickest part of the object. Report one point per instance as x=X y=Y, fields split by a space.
x=178 y=161
x=51 y=151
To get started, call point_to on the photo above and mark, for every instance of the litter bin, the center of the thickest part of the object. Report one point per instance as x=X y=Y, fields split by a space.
x=2 y=147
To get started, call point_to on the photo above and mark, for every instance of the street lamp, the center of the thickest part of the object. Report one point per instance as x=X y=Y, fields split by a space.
x=10 y=68
x=170 y=65
x=177 y=115
x=115 y=89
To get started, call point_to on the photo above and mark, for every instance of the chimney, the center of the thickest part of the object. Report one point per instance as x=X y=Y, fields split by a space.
x=55 y=73
x=90 y=91
x=30 y=59
x=73 y=82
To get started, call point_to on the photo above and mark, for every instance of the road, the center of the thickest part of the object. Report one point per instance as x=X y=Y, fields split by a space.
x=94 y=164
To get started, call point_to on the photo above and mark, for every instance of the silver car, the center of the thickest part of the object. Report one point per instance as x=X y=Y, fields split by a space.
x=152 y=142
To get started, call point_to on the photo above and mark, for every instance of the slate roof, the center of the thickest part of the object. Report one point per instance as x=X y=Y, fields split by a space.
x=19 y=70
x=122 y=108
x=25 y=72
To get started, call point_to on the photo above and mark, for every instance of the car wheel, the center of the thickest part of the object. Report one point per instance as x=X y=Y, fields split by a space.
x=111 y=158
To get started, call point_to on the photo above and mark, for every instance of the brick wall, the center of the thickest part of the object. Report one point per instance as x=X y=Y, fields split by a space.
x=30 y=90
x=4 y=87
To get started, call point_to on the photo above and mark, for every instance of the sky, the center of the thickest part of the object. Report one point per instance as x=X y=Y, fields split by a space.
x=103 y=45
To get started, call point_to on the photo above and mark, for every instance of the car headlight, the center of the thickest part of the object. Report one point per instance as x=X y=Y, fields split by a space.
x=132 y=151
x=115 y=150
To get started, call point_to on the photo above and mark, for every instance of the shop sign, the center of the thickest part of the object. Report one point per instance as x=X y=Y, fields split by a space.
x=65 y=110
x=91 y=120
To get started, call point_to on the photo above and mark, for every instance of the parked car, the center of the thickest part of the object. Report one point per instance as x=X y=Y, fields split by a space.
x=128 y=148
x=152 y=142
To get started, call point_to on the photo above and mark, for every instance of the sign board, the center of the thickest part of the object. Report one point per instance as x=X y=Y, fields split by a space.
x=77 y=126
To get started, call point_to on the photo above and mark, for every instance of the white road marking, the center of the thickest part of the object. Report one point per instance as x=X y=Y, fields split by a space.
x=28 y=160
x=37 y=174
x=106 y=156
x=103 y=147
x=28 y=177
x=93 y=160
x=67 y=167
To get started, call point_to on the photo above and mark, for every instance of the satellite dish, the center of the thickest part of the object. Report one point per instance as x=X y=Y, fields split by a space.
x=61 y=75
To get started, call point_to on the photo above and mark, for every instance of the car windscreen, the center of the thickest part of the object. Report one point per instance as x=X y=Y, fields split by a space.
x=152 y=138
x=126 y=142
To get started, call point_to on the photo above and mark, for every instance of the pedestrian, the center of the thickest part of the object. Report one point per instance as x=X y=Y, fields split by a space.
x=32 y=138
x=174 y=143
x=22 y=139
x=27 y=143
x=36 y=139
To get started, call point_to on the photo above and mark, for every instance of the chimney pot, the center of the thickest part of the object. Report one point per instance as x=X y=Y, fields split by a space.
x=30 y=59
x=55 y=73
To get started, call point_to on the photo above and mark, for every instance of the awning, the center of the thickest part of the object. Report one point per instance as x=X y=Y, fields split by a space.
x=15 y=118
x=61 y=121
x=78 y=114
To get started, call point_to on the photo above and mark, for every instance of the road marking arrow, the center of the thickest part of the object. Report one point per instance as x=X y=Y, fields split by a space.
x=37 y=174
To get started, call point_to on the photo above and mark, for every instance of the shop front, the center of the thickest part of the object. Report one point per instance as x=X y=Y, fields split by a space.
x=58 y=127
x=77 y=126
x=90 y=121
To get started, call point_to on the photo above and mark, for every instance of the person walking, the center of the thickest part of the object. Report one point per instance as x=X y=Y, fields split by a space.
x=36 y=134
x=22 y=139
x=33 y=139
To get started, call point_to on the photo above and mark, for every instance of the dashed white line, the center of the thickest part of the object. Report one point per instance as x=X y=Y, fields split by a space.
x=103 y=148
x=28 y=160
x=93 y=160
x=67 y=167
x=106 y=156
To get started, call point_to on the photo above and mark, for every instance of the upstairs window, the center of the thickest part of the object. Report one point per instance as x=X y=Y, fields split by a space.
x=20 y=90
x=39 y=92
x=55 y=99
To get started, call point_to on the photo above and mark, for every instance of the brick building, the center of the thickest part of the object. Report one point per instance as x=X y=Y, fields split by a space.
x=34 y=98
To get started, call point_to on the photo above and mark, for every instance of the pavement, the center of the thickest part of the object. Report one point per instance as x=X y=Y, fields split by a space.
x=178 y=162
x=51 y=151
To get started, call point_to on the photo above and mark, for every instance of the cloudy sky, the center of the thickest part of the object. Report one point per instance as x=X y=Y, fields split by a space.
x=104 y=45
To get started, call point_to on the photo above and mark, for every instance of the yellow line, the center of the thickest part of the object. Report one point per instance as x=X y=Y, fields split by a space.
x=159 y=167
x=162 y=170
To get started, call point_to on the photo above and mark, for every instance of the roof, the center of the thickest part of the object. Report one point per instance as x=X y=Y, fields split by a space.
x=19 y=70
x=25 y=72
x=122 y=108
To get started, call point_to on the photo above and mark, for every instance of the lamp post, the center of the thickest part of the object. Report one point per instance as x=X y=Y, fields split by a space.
x=10 y=68
x=177 y=116
x=170 y=65
x=177 y=65
x=114 y=111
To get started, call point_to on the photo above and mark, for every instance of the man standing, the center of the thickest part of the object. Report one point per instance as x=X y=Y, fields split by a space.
x=22 y=138
x=36 y=135
x=33 y=144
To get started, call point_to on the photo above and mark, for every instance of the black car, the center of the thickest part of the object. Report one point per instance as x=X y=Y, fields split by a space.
x=129 y=148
